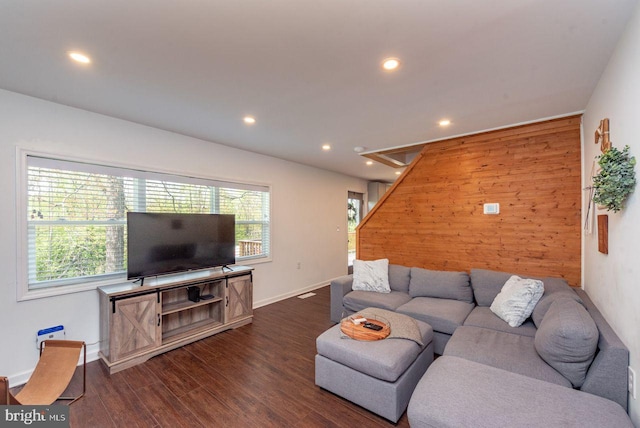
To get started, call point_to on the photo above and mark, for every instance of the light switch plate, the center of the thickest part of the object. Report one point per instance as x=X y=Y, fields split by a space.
x=493 y=208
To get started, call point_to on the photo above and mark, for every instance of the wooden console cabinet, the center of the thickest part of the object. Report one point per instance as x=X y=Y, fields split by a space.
x=139 y=322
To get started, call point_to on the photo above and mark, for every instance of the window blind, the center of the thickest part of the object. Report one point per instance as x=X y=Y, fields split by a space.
x=76 y=226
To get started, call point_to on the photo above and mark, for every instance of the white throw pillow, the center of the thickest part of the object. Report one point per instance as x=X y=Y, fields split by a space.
x=371 y=276
x=516 y=300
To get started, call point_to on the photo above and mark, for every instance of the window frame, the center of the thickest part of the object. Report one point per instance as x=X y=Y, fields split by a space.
x=23 y=292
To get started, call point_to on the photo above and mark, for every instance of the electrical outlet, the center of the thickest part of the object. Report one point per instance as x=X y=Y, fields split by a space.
x=632 y=382
x=298 y=265
x=56 y=332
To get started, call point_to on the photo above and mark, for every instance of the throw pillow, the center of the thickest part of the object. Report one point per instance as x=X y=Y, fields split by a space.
x=567 y=339
x=486 y=284
x=371 y=275
x=516 y=300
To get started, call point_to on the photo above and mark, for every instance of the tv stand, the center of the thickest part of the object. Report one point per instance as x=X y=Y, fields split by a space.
x=137 y=323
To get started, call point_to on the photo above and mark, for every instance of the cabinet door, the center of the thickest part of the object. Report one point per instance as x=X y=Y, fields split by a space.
x=239 y=299
x=135 y=326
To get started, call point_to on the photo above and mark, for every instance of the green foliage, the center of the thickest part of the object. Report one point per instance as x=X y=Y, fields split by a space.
x=77 y=223
x=615 y=180
x=70 y=252
x=352 y=211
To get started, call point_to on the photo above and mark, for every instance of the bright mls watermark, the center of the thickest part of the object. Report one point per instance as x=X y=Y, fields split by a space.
x=34 y=416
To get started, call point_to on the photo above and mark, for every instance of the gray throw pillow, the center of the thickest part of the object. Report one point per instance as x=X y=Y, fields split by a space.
x=516 y=300
x=567 y=339
x=440 y=284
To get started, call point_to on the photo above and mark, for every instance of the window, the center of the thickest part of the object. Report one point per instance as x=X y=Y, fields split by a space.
x=76 y=216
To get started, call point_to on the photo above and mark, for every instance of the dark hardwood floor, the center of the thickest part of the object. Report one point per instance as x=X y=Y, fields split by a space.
x=259 y=375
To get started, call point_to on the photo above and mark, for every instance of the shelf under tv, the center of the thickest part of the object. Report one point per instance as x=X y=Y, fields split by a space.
x=189 y=330
x=188 y=304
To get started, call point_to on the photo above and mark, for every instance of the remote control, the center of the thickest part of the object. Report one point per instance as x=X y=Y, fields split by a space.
x=372 y=326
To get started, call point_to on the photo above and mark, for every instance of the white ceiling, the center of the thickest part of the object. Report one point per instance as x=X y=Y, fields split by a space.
x=309 y=70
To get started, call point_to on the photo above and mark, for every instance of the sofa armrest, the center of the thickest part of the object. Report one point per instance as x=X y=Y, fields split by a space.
x=457 y=393
x=339 y=288
x=607 y=375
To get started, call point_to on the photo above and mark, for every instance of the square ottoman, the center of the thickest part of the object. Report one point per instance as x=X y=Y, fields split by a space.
x=377 y=375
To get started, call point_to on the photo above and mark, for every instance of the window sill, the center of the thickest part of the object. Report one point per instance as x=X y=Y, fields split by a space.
x=25 y=294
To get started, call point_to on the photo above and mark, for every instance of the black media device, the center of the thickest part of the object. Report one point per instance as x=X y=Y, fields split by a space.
x=193 y=293
x=163 y=243
x=372 y=326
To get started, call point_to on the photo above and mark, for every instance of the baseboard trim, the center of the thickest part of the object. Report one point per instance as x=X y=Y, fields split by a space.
x=92 y=353
x=265 y=302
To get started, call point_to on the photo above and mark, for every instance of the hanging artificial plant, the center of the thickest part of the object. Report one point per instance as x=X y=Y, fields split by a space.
x=615 y=180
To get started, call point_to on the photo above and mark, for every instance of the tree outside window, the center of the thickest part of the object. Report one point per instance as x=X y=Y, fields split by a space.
x=76 y=227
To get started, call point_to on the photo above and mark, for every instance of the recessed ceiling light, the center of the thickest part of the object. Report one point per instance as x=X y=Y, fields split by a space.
x=358 y=149
x=390 y=64
x=398 y=172
x=369 y=163
x=78 y=57
x=444 y=122
x=249 y=120
x=326 y=147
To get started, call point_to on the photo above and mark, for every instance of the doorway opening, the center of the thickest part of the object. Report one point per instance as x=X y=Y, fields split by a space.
x=355 y=212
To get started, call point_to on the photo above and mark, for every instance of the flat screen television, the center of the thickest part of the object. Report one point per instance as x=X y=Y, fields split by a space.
x=164 y=243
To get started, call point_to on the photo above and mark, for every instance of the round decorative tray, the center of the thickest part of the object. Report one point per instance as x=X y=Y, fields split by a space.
x=360 y=332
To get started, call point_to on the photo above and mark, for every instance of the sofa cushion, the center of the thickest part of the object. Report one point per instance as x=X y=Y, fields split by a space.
x=371 y=275
x=515 y=302
x=444 y=315
x=441 y=284
x=459 y=393
x=554 y=288
x=567 y=339
x=481 y=316
x=486 y=284
x=382 y=359
x=399 y=277
x=511 y=352
x=358 y=300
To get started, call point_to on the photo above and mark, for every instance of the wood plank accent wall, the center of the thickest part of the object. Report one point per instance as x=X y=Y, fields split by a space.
x=432 y=217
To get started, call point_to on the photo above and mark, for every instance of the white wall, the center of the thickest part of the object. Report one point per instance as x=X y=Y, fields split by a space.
x=308 y=205
x=613 y=280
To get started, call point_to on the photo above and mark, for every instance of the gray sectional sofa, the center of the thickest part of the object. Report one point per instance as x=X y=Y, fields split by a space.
x=566 y=350
x=442 y=299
